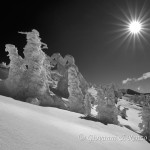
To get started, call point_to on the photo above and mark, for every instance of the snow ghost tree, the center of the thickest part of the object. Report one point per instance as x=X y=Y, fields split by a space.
x=16 y=69
x=38 y=78
x=34 y=59
x=107 y=111
x=76 y=102
x=33 y=77
x=29 y=77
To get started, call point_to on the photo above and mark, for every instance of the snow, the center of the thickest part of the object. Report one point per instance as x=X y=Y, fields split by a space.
x=93 y=111
x=25 y=126
x=133 y=115
x=65 y=99
x=94 y=93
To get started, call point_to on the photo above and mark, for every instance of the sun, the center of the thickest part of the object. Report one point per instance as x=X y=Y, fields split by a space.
x=131 y=26
x=135 y=27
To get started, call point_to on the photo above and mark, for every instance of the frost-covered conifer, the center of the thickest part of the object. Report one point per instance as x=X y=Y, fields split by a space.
x=28 y=77
x=34 y=56
x=76 y=102
x=34 y=75
x=107 y=111
x=15 y=60
x=37 y=74
x=15 y=71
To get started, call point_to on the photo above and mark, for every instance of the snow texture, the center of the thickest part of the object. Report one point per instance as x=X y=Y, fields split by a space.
x=29 y=127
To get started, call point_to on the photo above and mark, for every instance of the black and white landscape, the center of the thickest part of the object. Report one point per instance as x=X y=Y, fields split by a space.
x=75 y=75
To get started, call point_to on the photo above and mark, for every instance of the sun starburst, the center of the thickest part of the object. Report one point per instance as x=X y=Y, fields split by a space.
x=135 y=27
x=132 y=25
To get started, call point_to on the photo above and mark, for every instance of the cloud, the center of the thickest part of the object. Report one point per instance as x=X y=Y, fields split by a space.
x=143 y=77
x=126 y=81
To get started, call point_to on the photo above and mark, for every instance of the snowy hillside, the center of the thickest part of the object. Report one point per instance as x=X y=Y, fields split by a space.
x=25 y=126
x=133 y=115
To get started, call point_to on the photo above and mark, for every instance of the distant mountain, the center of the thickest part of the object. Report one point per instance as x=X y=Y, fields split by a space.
x=146 y=93
x=130 y=92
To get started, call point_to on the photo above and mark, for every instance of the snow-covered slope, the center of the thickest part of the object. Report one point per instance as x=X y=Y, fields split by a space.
x=133 y=115
x=25 y=126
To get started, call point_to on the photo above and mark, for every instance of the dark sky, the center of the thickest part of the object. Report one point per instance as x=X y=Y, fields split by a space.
x=87 y=30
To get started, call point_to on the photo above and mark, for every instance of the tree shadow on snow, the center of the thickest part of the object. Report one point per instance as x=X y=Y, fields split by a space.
x=92 y=119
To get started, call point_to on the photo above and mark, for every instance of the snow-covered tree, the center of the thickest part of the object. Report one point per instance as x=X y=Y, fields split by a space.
x=122 y=111
x=38 y=73
x=33 y=77
x=28 y=77
x=107 y=111
x=15 y=71
x=34 y=56
x=76 y=102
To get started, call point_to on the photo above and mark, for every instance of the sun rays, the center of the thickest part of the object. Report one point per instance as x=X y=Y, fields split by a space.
x=132 y=26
